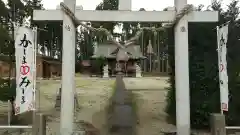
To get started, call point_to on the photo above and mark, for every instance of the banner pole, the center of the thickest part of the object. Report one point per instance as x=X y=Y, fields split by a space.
x=34 y=109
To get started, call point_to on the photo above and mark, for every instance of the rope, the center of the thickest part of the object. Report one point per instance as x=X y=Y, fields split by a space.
x=186 y=10
x=77 y=22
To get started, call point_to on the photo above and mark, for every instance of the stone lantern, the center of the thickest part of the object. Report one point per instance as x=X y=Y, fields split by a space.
x=150 y=53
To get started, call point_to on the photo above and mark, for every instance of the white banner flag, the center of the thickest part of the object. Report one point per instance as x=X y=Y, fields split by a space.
x=25 y=69
x=222 y=64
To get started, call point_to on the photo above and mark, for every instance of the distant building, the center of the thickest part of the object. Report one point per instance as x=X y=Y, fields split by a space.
x=4 y=66
x=47 y=67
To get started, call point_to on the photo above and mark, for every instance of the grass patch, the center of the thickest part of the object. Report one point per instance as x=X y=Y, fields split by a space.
x=77 y=75
x=80 y=82
x=134 y=106
x=89 y=82
x=83 y=83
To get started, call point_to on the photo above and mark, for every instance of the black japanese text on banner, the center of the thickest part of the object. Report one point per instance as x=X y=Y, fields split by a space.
x=25 y=73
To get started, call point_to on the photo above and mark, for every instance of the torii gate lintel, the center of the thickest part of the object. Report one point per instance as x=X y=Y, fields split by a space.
x=125 y=16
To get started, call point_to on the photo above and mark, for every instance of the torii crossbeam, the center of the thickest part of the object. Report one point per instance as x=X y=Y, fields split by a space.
x=126 y=15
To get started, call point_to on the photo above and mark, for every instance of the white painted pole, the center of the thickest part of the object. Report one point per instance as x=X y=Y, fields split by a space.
x=182 y=73
x=34 y=121
x=68 y=72
x=9 y=112
x=125 y=5
x=218 y=65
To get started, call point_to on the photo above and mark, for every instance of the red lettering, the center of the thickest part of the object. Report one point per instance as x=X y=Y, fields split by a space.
x=17 y=110
x=224 y=107
x=24 y=69
x=221 y=67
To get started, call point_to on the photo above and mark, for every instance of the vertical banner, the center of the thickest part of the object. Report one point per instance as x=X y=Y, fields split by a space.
x=222 y=37
x=25 y=45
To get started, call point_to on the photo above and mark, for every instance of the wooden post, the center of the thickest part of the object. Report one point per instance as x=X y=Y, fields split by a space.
x=34 y=123
x=218 y=124
x=39 y=125
x=42 y=124
x=37 y=107
x=9 y=112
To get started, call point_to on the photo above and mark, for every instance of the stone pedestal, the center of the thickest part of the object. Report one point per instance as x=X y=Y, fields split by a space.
x=138 y=71
x=105 y=72
x=218 y=124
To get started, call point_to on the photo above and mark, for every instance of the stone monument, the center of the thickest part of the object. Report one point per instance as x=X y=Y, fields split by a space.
x=95 y=47
x=105 y=71
x=138 y=70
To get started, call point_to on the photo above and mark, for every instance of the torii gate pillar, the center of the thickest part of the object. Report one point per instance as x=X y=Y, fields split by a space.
x=182 y=72
x=68 y=72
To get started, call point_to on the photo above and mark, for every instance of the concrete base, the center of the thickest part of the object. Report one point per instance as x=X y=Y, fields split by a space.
x=138 y=75
x=218 y=124
x=105 y=75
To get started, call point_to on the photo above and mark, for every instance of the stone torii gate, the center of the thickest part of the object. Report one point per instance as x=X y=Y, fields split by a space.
x=126 y=15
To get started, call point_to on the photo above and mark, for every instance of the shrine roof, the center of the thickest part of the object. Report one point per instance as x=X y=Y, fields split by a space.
x=48 y=58
x=108 y=50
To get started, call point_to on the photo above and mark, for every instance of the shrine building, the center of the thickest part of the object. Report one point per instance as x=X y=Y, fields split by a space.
x=108 y=53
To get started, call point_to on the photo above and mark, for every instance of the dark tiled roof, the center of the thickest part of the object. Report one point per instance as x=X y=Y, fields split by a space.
x=6 y=58
x=107 y=51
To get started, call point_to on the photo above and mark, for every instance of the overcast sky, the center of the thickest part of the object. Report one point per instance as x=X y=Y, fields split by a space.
x=136 y=4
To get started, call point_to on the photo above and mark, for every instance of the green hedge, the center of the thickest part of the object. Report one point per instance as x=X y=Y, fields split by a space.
x=6 y=92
